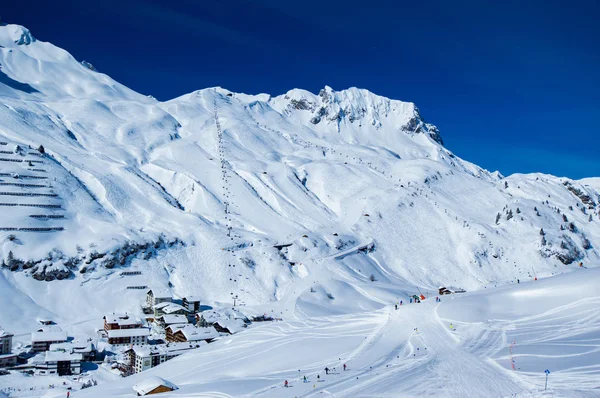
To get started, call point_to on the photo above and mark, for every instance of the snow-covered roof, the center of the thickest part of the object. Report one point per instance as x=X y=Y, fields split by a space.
x=172 y=307
x=166 y=349
x=160 y=293
x=233 y=325
x=54 y=356
x=122 y=319
x=210 y=316
x=168 y=307
x=192 y=299
x=171 y=319
x=4 y=333
x=193 y=333
x=177 y=326
x=136 y=332
x=161 y=305
x=50 y=328
x=151 y=383
x=48 y=336
x=72 y=346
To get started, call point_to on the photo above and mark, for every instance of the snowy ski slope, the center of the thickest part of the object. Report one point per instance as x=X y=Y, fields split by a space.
x=554 y=323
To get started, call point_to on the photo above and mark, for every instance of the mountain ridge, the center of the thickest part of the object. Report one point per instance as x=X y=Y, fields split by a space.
x=184 y=188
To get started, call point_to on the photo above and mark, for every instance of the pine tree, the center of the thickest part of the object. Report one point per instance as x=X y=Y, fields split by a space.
x=509 y=215
x=518 y=211
x=498 y=218
x=590 y=218
x=542 y=232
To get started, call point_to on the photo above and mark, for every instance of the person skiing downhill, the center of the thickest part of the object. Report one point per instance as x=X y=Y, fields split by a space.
x=305 y=379
x=400 y=302
x=451 y=327
x=344 y=367
x=285 y=384
x=326 y=370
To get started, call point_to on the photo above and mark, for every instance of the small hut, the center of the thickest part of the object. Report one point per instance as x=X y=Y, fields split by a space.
x=153 y=385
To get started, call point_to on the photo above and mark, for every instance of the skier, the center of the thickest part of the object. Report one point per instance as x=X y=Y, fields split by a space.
x=305 y=379
x=318 y=378
x=400 y=302
x=344 y=367
x=396 y=306
x=285 y=384
x=411 y=300
x=518 y=281
x=326 y=370
x=451 y=327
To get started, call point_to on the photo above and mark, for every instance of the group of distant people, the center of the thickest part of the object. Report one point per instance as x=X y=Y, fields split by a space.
x=437 y=300
x=328 y=371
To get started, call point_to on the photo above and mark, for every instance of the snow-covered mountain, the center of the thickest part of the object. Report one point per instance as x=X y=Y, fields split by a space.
x=295 y=198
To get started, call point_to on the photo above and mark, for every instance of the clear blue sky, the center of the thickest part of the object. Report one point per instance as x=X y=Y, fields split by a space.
x=513 y=85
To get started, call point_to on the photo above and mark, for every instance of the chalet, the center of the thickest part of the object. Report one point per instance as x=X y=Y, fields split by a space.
x=145 y=357
x=229 y=326
x=167 y=308
x=168 y=320
x=121 y=321
x=137 y=336
x=153 y=385
x=57 y=363
x=40 y=341
x=207 y=318
x=192 y=303
x=154 y=297
x=86 y=349
x=189 y=333
x=444 y=290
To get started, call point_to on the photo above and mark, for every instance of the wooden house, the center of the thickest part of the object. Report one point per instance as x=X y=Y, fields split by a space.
x=229 y=326
x=190 y=333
